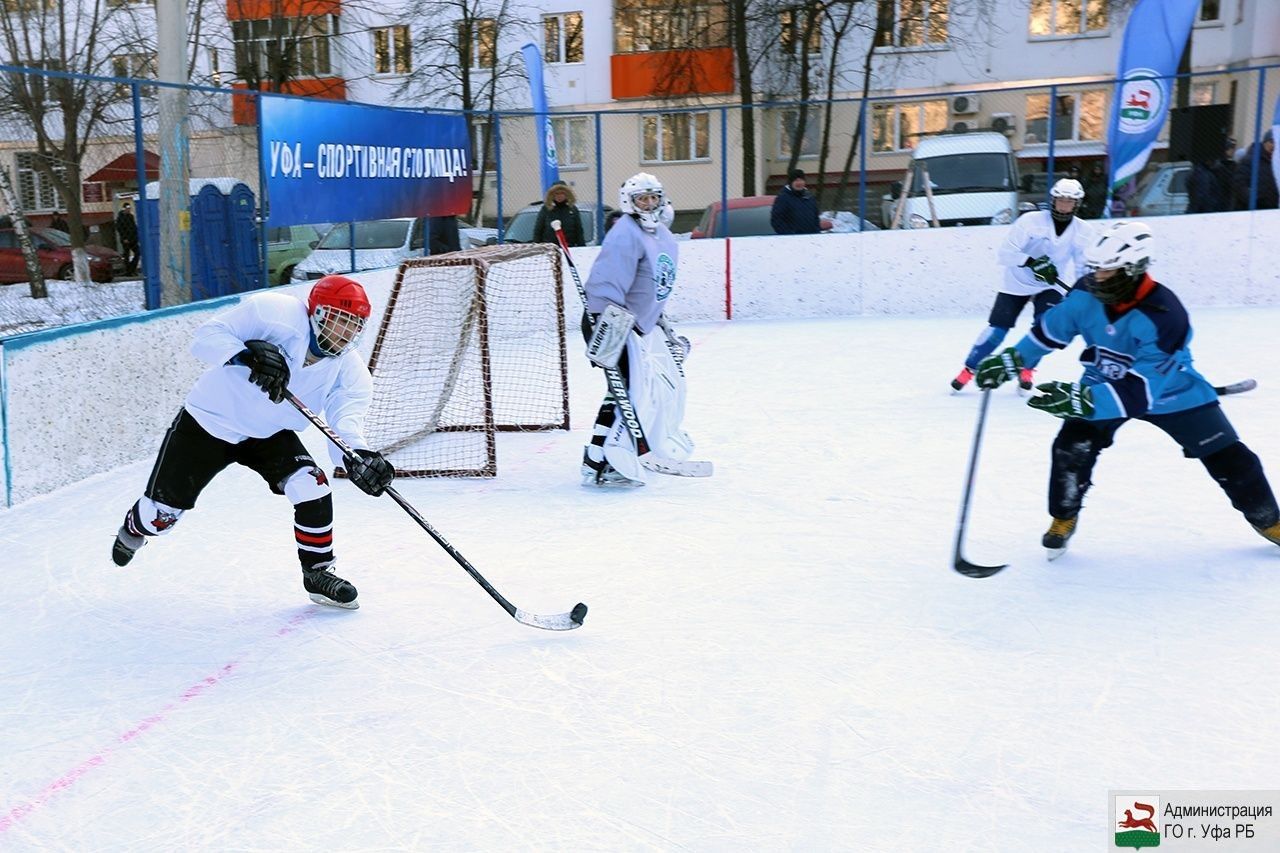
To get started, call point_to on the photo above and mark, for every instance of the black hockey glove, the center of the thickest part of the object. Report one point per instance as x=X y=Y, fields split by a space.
x=370 y=472
x=1043 y=269
x=267 y=367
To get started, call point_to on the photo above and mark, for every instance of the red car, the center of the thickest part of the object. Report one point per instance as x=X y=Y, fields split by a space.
x=54 y=250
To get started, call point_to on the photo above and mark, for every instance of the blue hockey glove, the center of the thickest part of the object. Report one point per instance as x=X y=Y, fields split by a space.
x=995 y=370
x=1064 y=400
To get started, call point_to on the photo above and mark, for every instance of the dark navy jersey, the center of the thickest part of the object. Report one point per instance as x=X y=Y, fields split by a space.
x=1136 y=361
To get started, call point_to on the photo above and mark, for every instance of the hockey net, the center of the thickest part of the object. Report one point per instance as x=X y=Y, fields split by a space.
x=472 y=343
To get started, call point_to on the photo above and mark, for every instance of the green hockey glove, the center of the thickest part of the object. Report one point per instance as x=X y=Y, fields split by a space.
x=1044 y=270
x=1064 y=400
x=995 y=370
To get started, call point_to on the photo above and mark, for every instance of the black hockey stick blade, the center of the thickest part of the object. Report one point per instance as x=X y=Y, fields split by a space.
x=959 y=563
x=559 y=622
x=1236 y=387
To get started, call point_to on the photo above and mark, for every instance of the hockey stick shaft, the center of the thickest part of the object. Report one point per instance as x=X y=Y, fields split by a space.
x=612 y=376
x=962 y=565
x=561 y=622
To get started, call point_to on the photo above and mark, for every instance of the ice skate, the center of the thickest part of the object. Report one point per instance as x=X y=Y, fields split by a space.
x=127 y=544
x=327 y=588
x=1271 y=534
x=962 y=379
x=1026 y=378
x=1055 y=539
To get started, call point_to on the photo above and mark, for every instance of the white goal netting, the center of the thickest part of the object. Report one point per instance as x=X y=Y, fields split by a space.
x=472 y=343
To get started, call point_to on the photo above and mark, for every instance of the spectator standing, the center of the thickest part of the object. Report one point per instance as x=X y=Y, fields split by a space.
x=1267 y=198
x=561 y=204
x=1210 y=187
x=59 y=222
x=442 y=235
x=795 y=211
x=1095 y=193
x=127 y=231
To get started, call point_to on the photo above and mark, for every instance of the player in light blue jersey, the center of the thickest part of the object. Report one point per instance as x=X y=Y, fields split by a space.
x=1137 y=364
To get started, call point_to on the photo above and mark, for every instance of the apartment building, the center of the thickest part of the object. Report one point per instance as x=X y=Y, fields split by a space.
x=655 y=84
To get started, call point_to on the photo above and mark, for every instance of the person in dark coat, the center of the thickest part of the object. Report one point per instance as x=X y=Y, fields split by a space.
x=561 y=204
x=1210 y=189
x=794 y=210
x=1267 y=197
x=442 y=235
x=59 y=222
x=127 y=231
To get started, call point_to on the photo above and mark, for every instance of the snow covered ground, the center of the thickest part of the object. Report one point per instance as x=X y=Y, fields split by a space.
x=776 y=658
x=67 y=302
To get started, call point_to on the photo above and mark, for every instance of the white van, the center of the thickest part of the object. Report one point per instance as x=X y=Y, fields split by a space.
x=972 y=178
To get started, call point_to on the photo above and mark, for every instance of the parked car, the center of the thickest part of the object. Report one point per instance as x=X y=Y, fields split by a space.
x=1163 y=191
x=972 y=179
x=53 y=248
x=1033 y=189
x=378 y=243
x=519 y=228
x=287 y=245
x=472 y=236
x=749 y=217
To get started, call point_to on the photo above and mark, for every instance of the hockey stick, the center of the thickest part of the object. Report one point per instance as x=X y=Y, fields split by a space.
x=618 y=389
x=559 y=622
x=1222 y=390
x=961 y=565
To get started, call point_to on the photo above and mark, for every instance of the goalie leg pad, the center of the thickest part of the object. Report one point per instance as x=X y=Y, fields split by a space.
x=612 y=329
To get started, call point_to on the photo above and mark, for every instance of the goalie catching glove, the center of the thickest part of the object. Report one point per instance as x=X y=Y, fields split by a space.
x=267 y=367
x=995 y=370
x=369 y=471
x=609 y=336
x=1064 y=400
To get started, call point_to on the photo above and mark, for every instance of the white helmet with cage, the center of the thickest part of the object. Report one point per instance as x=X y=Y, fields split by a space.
x=1125 y=247
x=1068 y=188
x=642 y=196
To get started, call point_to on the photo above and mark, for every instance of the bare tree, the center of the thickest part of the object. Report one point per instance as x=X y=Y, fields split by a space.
x=459 y=64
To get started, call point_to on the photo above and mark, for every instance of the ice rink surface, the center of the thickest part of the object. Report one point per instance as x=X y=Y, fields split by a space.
x=778 y=658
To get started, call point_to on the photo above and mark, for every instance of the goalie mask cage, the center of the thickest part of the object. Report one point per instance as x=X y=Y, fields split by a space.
x=472 y=343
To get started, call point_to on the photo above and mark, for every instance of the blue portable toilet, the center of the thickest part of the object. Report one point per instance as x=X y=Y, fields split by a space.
x=224 y=239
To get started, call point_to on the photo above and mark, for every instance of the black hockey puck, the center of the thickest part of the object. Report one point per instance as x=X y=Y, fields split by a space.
x=578 y=613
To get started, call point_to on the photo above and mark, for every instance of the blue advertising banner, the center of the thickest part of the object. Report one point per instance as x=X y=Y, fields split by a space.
x=330 y=161
x=1275 y=138
x=546 y=136
x=1153 y=41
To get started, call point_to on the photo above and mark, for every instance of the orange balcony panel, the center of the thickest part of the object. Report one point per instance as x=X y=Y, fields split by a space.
x=244 y=110
x=256 y=10
x=672 y=73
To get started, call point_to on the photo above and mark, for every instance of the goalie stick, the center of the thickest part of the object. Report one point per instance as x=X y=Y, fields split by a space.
x=558 y=622
x=618 y=389
x=959 y=563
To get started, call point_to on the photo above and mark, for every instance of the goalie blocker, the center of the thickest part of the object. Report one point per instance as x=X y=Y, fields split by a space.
x=610 y=335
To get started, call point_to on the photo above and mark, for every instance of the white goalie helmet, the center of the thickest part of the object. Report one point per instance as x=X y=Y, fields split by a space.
x=642 y=196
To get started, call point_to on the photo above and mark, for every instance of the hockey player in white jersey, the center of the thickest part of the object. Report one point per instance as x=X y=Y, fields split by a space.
x=266 y=345
x=626 y=292
x=1039 y=248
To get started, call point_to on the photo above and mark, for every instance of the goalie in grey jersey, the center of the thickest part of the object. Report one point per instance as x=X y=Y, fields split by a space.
x=627 y=291
x=267 y=345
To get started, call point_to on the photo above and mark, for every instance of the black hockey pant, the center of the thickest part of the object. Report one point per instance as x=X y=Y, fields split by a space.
x=1204 y=433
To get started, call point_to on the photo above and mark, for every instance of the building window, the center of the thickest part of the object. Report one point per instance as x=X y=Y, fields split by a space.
x=1077 y=117
x=35 y=187
x=562 y=38
x=573 y=141
x=912 y=23
x=1211 y=10
x=792 y=23
x=787 y=120
x=675 y=137
x=1204 y=94
x=644 y=25
x=137 y=65
x=479 y=40
x=392 y=53
x=899 y=127
x=298 y=47
x=1067 y=17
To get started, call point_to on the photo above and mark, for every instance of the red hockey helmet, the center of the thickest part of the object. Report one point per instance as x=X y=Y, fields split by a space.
x=338 y=308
